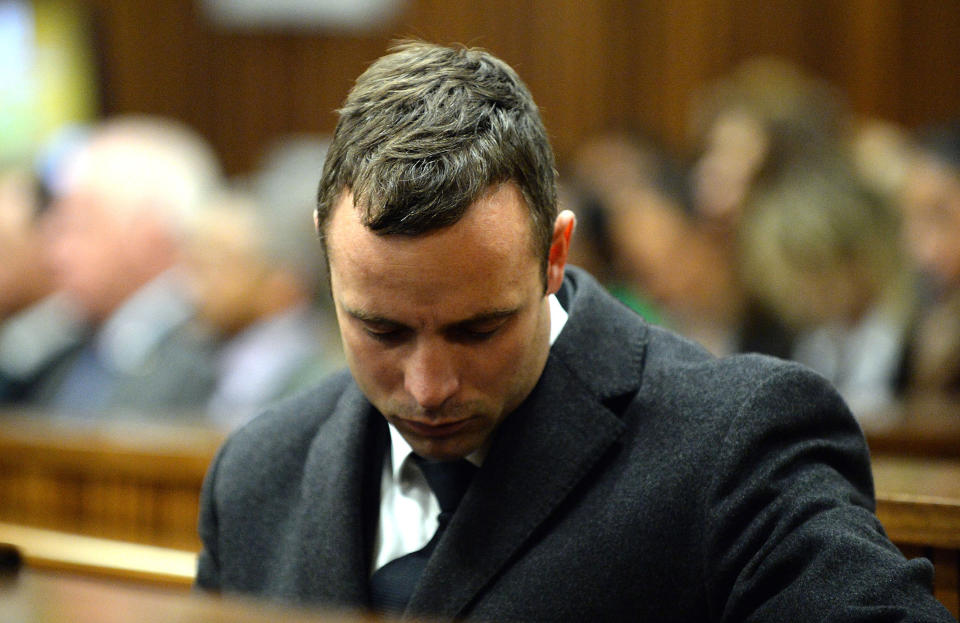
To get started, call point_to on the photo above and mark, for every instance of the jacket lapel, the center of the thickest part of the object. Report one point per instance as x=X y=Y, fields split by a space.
x=340 y=494
x=553 y=440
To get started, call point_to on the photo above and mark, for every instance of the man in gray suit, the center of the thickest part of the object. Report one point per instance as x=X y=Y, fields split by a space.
x=622 y=473
x=121 y=202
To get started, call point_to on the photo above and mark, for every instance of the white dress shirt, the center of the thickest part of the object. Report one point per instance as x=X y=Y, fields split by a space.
x=408 y=507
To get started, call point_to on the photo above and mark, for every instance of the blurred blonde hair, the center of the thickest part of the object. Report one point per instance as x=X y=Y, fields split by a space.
x=814 y=224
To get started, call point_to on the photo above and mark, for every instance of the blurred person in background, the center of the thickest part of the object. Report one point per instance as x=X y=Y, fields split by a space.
x=617 y=158
x=931 y=208
x=673 y=259
x=596 y=252
x=641 y=241
x=120 y=201
x=601 y=169
x=764 y=118
x=37 y=327
x=754 y=127
x=823 y=255
x=255 y=268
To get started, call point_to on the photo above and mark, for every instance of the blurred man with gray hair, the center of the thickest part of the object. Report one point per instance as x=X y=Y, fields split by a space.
x=120 y=206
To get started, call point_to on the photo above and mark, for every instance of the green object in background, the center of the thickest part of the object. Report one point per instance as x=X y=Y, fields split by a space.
x=638 y=303
x=47 y=77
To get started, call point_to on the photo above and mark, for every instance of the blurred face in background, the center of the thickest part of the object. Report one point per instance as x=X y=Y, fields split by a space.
x=24 y=277
x=931 y=209
x=225 y=268
x=86 y=252
x=102 y=252
x=736 y=145
x=120 y=198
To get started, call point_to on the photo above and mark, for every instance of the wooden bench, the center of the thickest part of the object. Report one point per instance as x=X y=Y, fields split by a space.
x=127 y=480
x=41 y=596
x=923 y=426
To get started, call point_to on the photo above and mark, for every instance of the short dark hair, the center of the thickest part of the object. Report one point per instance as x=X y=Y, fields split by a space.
x=423 y=134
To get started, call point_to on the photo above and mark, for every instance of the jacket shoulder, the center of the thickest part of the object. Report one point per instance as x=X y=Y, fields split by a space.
x=678 y=365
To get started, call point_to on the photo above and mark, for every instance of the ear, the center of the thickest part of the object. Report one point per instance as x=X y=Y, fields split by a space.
x=559 y=249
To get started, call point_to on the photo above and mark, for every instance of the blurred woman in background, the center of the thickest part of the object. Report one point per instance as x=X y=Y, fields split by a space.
x=931 y=211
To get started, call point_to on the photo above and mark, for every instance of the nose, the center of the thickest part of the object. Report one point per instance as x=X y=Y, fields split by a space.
x=430 y=376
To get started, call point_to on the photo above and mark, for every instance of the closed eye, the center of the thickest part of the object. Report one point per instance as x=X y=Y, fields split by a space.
x=473 y=330
x=478 y=331
x=386 y=333
x=386 y=336
x=473 y=336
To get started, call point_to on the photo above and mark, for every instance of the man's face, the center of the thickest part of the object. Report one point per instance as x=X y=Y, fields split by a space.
x=225 y=267
x=446 y=333
x=24 y=276
x=86 y=249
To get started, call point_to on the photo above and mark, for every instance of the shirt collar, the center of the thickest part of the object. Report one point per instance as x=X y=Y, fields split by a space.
x=400 y=450
x=558 y=318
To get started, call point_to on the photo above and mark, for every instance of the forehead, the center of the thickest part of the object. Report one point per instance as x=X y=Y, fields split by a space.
x=487 y=252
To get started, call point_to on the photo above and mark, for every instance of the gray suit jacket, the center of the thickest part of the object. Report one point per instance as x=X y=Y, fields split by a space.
x=642 y=480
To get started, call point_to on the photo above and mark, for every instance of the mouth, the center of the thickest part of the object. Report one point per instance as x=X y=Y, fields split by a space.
x=435 y=430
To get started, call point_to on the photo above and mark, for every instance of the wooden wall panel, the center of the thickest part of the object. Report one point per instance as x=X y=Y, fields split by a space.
x=874 y=63
x=696 y=45
x=589 y=64
x=931 y=67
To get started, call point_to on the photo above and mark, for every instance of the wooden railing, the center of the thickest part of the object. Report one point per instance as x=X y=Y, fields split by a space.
x=924 y=426
x=918 y=503
x=50 y=550
x=127 y=480
x=40 y=596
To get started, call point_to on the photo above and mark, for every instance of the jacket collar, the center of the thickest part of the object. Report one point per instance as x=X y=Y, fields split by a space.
x=604 y=342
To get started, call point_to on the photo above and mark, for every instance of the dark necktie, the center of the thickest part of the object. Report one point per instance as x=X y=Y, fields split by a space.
x=392 y=584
